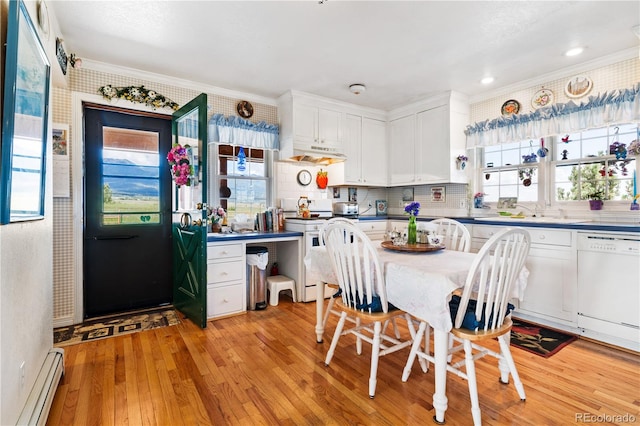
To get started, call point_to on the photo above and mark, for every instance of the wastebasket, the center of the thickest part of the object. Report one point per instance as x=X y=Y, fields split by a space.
x=257 y=259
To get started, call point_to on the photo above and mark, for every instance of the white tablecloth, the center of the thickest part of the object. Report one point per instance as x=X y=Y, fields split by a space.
x=418 y=283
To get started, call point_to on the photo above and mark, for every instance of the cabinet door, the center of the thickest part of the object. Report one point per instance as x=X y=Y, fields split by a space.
x=329 y=128
x=432 y=151
x=374 y=152
x=401 y=150
x=552 y=284
x=353 y=149
x=305 y=123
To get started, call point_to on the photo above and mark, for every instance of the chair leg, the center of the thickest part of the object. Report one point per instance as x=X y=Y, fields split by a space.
x=424 y=364
x=506 y=354
x=375 y=355
x=358 y=339
x=470 y=368
x=327 y=312
x=336 y=337
x=414 y=351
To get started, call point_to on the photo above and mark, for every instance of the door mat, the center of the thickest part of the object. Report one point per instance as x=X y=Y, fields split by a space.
x=538 y=339
x=127 y=323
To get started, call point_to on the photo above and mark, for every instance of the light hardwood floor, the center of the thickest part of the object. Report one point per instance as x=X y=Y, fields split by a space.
x=265 y=367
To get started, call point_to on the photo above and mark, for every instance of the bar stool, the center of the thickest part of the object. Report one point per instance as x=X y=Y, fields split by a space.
x=277 y=283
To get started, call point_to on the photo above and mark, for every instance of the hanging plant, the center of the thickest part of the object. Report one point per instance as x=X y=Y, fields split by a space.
x=138 y=94
x=525 y=175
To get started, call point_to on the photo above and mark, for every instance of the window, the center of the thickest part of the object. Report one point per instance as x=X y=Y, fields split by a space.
x=511 y=170
x=130 y=177
x=243 y=179
x=595 y=161
x=582 y=163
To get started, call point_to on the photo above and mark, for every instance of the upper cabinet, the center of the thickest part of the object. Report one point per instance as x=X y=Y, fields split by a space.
x=365 y=147
x=424 y=140
x=310 y=128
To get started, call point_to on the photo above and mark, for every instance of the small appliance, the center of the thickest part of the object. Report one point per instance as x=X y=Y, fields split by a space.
x=347 y=209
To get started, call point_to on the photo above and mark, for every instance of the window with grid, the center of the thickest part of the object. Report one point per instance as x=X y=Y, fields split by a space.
x=595 y=163
x=243 y=179
x=511 y=170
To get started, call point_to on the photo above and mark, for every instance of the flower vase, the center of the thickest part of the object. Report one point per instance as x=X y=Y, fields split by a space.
x=412 y=231
x=216 y=227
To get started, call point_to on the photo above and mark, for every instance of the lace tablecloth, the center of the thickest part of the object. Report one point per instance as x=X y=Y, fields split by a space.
x=418 y=283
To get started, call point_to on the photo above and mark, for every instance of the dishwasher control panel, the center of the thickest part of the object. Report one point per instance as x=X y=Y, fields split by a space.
x=606 y=243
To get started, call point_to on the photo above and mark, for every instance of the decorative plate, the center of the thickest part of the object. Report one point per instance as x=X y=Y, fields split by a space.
x=542 y=98
x=510 y=107
x=245 y=109
x=43 y=18
x=416 y=248
x=578 y=86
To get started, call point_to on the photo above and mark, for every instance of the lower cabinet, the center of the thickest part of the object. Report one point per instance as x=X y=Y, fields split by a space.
x=551 y=291
x=226 y=287
x=375 y=229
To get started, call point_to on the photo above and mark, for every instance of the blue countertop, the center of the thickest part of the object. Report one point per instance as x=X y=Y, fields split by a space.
x=218 y=238
x=580 y=226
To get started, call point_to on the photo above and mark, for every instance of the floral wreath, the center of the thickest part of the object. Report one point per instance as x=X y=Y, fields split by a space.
x=181 y=169
x=139 y=94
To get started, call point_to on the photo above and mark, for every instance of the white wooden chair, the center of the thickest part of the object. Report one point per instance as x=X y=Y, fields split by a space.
x=455 y=235
x=489 y=287
x=361 y=279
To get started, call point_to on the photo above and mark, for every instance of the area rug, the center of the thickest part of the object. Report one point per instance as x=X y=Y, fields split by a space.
x=126 y=323
x=537 y=339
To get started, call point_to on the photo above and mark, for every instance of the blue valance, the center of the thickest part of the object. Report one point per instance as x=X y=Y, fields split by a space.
x=618 y=106
x=238 y=131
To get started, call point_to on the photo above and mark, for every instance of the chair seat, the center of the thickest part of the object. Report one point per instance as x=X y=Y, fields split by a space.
x=278 y=283
x=464 y=333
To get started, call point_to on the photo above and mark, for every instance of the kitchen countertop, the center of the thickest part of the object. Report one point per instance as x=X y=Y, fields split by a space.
x=241 y=236
x=544 y=222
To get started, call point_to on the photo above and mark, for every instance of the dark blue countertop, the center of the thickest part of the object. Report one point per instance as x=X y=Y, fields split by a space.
x=219 y=238
x=580 y=226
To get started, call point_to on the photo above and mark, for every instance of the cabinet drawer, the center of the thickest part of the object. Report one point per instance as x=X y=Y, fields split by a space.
x=225 y=300
x=224 y=251
x=219 y=272
x=538 y=235
x=552 y=237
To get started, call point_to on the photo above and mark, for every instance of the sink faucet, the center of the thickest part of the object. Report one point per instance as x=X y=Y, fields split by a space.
x=534 y=212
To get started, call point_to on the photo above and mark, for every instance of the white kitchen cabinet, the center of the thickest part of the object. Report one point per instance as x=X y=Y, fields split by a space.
x=226 y=279
x=552 y=284
x=424 y=140
x=366 y=148
x=317 y=126
x=402 y=159
x=375 y=229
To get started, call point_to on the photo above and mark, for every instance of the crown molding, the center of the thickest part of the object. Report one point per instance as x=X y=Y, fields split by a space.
x=613 y=58
x=174 y=81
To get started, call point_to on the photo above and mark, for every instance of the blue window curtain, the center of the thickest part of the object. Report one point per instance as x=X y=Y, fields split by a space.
x=617 y=106
x=238 y=131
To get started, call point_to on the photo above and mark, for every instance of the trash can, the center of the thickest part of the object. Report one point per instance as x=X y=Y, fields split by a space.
x=257 y=259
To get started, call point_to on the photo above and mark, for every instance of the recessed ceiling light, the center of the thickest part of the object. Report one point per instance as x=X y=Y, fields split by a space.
x=487 y=80
x=573 y=52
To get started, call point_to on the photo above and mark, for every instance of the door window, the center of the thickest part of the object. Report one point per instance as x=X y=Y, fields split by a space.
x=130 y=177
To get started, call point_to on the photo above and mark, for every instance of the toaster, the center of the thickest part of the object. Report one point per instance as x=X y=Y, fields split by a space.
x=345 y=209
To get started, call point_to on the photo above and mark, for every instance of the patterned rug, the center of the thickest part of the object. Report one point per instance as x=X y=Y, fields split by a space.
x=538 y=339
x=100 y=328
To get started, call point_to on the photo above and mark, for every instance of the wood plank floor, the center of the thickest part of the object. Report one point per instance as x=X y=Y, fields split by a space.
x=265 y=367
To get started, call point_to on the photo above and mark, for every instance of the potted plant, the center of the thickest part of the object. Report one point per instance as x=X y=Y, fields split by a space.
x=596 y=198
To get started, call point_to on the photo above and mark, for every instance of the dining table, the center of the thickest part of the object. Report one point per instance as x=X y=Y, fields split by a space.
x=420 y=283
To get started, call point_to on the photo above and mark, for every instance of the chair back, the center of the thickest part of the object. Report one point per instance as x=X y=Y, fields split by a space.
x=357 y=267
x=492 y=277
x=322 y=230
x=455 y=235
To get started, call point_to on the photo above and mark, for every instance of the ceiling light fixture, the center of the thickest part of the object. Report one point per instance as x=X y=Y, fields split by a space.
x=574 y=52
x=357 y=88
x=487 y=80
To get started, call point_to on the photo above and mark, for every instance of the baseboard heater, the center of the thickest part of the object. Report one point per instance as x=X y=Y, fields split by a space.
x=36 y=410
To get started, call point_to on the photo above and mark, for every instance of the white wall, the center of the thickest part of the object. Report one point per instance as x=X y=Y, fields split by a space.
x=26 y=288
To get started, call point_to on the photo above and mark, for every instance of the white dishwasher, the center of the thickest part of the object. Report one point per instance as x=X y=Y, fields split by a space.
x=609 y=288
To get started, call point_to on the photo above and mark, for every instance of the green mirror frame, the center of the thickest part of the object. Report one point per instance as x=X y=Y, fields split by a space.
x=25 y=120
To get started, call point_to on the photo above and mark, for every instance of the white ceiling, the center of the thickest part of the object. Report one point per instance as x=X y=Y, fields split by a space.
x=402 y=51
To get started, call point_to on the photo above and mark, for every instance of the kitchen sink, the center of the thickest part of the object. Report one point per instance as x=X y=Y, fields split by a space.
x=531 y=219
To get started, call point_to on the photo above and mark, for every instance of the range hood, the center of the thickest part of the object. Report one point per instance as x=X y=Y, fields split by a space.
x=312 y=155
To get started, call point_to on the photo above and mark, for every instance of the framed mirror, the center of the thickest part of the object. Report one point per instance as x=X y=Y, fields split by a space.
x=24 y=120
